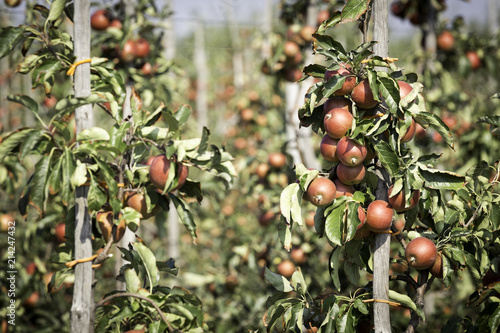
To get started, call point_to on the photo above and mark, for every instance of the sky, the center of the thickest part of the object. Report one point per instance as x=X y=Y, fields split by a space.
x=213 y=11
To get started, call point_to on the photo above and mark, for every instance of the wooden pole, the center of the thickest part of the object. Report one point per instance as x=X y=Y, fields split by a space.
x=493 y=16
x=200 y=60
x=304 y=134
x=238 y=63
x=169 y=37
x=82 y=309
x=381 y=315
x=173 y=219
x=267 y=26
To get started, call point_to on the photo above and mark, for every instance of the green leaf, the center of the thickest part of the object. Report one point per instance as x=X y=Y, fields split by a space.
x=26 y=101
x=333 y=84
x=352 y=219
x=494 y=321
x=202 y=148
x=492 y=120
x=435 y=122
x=315 y=70
x=13 y=140
x=64 y=106
x=328 y=43
x=285 y=234
x=388 y=87
x=334 y=225
x=407 y=302
x=56 y=9
x=28 y=64
x=58 y=278
x=335 y=267
x=290 y=200
x=184 y=214
x=117 y=136
x=79 y=175
x=441 y=180
x=353 y=10
x=132 y=280
x=298 y=282
x=30 y=143
x=68 y=168
x=149 y=262
x=358 y=304
x=9 y=38
x=39 y=189
x=362 y=52
x=183 y=114
x=279 y=282
x=387 y=157
x=97 y=196
x=154 y=133
x=94 y=133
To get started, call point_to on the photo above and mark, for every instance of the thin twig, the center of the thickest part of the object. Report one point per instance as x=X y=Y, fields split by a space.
x=109 y=298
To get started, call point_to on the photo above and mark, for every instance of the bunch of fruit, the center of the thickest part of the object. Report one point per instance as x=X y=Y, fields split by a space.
x=415 y=11
x=351 y=154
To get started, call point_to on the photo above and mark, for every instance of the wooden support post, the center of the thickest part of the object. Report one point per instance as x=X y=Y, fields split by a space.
x=82 y=309
x=200 y=61
x=381 y=315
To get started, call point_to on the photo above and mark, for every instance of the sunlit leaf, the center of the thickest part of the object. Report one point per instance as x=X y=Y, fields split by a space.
x=279 y=282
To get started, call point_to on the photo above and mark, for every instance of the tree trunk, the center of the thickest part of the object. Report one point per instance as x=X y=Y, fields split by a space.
x=82 y=309
x=381 y=316
x=200 y=60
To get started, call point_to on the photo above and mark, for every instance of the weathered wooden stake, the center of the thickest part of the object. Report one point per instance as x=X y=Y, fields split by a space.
x=200 y=61
x=381 y=316
x=82 y=309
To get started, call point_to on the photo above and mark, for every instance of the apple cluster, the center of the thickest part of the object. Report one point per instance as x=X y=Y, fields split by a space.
x=127 y=51
x=288 y=63
x=415 y=11
x=159 y=169
x=350 y=155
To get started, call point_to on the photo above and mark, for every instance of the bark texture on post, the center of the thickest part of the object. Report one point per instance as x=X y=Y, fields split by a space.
x=82 y=309
x=381 y=315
